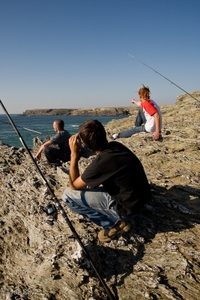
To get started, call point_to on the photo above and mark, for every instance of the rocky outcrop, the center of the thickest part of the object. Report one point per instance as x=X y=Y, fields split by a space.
x=103 y=111
x=158 y=258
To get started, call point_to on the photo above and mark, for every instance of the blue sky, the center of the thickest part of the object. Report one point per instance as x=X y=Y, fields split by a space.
x=73 y=53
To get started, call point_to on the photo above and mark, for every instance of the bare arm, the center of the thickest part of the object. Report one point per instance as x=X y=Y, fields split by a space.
x=137 y=102
x=156 y=134
x=46 y=144
x=75 y=181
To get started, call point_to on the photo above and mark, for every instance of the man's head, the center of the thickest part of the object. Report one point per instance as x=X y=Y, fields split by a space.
x=144 y=93
x=58 y=125
x=93 y=135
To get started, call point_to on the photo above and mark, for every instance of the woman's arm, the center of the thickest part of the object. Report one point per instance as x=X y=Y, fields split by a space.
x=137 y=102
x=156 y=134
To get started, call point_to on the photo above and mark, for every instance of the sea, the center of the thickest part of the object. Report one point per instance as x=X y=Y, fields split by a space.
x=29 y=127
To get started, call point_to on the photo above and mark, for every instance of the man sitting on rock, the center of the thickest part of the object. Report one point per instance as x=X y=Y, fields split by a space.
x=112 y=189
x=59 y=153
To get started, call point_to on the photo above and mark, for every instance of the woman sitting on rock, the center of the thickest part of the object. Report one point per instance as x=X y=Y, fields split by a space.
x=149 y=118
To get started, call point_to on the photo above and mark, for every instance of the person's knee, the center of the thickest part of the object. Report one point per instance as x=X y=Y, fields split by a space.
x=68 y=196
x=65 y=194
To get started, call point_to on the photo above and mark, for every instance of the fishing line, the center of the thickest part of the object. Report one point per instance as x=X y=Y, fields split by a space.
x=163 y=76
x=60 y=208
x=25 y=128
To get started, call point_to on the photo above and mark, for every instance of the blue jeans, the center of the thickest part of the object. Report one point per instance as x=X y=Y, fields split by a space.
x=140 y=119
x=130 y=131
x=95 y=204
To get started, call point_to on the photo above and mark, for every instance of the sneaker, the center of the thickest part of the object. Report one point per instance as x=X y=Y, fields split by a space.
x=106 y=235
x=113 y=136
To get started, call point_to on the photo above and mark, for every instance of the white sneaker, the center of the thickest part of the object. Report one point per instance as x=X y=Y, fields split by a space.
x=115 y=136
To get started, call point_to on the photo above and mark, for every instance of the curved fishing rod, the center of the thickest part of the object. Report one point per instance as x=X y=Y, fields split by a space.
x=163 y=77
x=25 y=128
x=60 y=208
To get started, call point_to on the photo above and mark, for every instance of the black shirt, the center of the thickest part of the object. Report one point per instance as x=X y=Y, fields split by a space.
x=122 y=175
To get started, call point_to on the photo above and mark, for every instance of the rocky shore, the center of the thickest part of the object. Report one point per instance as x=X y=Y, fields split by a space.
x=102 y=111
x=158 y=258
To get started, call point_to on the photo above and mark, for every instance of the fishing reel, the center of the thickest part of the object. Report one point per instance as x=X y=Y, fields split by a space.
x=50 y=209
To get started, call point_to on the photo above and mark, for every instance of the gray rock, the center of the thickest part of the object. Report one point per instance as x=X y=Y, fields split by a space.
x=158 y=259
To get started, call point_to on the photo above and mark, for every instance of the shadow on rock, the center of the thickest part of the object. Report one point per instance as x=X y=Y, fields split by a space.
x=170 y=210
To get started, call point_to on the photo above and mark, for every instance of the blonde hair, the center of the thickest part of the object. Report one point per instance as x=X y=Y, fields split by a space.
x=144 y=92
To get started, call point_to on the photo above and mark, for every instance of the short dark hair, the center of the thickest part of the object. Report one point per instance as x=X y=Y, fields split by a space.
x=93 y=135
x=60 y=124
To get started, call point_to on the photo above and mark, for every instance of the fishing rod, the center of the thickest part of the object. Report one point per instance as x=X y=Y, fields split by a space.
x=25 y=128
x=60 y=208
x=163 y=76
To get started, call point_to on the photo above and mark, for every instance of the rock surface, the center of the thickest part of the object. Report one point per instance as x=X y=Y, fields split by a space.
x=105 y=111
x=158 y=259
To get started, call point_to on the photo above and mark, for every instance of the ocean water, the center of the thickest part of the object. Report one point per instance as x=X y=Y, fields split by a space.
x=27 y=125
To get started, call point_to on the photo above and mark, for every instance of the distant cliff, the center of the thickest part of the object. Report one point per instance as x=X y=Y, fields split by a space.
x=103 y=111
